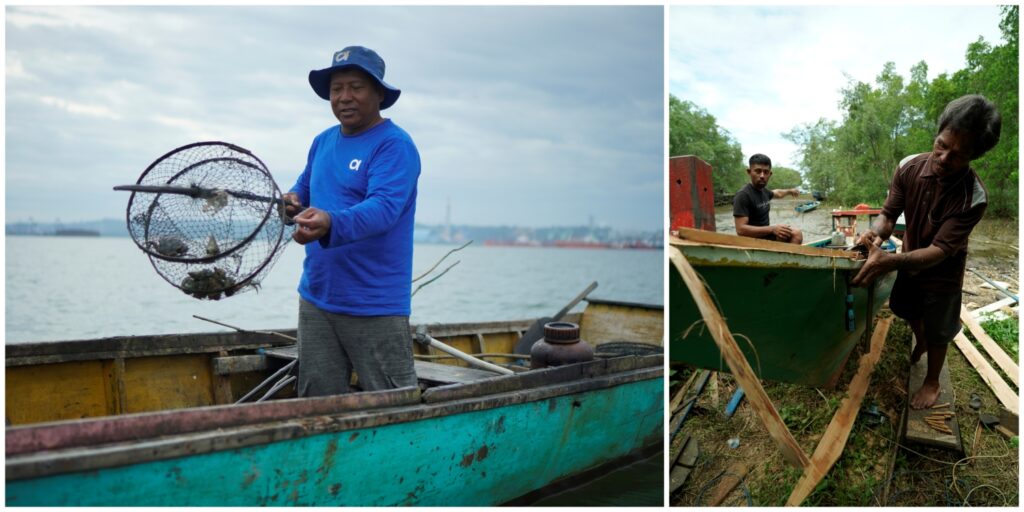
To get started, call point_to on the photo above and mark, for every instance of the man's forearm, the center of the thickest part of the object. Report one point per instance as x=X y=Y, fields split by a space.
x=918 y=259
x=883 y=227
x=754 y=231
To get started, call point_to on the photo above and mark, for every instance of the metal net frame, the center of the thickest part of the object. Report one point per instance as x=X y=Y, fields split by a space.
x=210 y=218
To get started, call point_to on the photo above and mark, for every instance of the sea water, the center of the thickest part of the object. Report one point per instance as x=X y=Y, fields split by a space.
x=68 y=288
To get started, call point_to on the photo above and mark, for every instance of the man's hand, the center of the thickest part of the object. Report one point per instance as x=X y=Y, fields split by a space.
x=292 y=203
x=313 y=225
x=782 y=232
x=869 y=237
x=879 y=263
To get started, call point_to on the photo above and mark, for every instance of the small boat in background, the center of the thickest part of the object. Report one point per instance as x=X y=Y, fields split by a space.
x=154 y=420
x=806 y=207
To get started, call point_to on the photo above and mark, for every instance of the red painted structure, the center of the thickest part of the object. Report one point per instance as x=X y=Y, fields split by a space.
x=845 y=221
x=691 y=196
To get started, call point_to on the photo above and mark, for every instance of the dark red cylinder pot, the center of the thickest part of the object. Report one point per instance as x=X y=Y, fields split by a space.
x=561 y=345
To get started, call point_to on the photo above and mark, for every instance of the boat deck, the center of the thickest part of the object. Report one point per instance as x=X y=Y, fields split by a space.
x=426 y=371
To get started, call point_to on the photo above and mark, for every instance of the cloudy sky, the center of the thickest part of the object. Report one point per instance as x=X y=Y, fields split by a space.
x=761 y=71
x=531 y=116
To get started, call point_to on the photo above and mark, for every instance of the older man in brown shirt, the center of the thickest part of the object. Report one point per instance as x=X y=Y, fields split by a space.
x=943 y=199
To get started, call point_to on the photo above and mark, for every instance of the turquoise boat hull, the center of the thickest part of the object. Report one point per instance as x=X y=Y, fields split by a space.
x=460 y=445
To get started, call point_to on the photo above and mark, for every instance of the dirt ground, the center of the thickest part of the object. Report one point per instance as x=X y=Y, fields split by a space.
x=876 y=468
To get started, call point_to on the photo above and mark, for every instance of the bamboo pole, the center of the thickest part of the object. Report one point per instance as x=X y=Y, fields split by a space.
x=831 y=445
x=738 y=364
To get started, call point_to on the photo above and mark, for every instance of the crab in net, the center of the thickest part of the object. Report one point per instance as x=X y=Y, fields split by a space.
x=210 y=218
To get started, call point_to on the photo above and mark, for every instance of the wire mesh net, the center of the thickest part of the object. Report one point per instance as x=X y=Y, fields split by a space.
x=216 y=226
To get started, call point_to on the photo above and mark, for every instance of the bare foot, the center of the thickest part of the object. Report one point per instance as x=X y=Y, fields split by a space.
x=926 y=396
x=919 y=350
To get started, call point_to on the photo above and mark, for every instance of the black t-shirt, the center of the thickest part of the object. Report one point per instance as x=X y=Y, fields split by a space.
x=753 y=204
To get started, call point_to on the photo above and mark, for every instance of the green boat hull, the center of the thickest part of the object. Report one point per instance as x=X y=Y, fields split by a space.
x=787 y=311
x=484 y=450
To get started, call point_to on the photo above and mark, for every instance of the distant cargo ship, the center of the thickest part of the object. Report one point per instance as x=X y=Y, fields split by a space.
x=511 y=243
x=581 y=244
x=76 y=232
x=573 y=244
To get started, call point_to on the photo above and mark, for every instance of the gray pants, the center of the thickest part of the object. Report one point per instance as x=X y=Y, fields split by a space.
x=331 y=346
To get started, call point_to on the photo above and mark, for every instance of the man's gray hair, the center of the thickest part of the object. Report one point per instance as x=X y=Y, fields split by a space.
x=975 y=117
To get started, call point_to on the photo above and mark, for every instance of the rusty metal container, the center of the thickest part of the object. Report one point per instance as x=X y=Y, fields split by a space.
x=561 y=345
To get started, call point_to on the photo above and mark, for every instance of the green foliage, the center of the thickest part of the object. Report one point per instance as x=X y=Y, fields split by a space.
x=693 y=131
x=1006 y=333
x=853 y=160
x=784 y=177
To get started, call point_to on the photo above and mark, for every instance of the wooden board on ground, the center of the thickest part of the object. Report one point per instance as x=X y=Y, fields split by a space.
x=995 y=352
x=916 y=429
x=681 y=469
x=730 y=479
x=1004 y=393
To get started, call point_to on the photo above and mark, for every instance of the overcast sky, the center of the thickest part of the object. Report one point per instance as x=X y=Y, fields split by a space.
x=761 y=71
x=532 y=116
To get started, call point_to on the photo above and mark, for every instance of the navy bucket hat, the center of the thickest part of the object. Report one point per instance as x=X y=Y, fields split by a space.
x=358 y=57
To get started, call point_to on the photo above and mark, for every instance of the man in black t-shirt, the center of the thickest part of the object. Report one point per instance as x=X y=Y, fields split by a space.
x=752 y=203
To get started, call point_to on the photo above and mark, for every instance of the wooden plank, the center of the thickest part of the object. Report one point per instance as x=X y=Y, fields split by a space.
x=915 y=428
x=120 y=395
x=1003 y=361
x=604 y=322
x=226 y=365
x=449 y=374
x=681 y=469
x=832 y=443
x=707 y=237
x=738 y=364
x=995 y=306
x=988 y=374
x=730 y=479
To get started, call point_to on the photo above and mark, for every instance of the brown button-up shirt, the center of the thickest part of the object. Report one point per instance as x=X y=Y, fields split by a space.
x=938 y=211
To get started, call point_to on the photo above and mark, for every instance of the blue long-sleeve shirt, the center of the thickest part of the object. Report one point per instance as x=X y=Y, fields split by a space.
x=367 y=184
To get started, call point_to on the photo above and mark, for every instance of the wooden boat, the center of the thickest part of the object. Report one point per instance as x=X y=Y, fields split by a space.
x=806 y=207
x=791 y=308
x=149 y=421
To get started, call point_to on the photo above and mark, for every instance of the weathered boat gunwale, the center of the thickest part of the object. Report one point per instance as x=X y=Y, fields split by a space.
x=119 y=347
x=728 y=255
x=115 y=347
x=608 y=302
x=696 y=236
x=74 y=459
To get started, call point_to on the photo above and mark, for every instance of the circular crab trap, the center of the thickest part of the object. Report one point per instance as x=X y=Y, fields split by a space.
x=210 y=218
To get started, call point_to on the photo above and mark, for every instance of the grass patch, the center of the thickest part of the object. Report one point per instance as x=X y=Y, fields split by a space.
x=1006 y=334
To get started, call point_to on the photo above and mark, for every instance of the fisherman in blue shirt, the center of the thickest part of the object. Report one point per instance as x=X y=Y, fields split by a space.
x=359 y=187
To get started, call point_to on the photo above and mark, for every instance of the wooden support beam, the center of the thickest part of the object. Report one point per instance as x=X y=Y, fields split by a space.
x=120 y=394
x=738 y=364
x=1003 y=361
x=838 y=431
x=988 y=374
